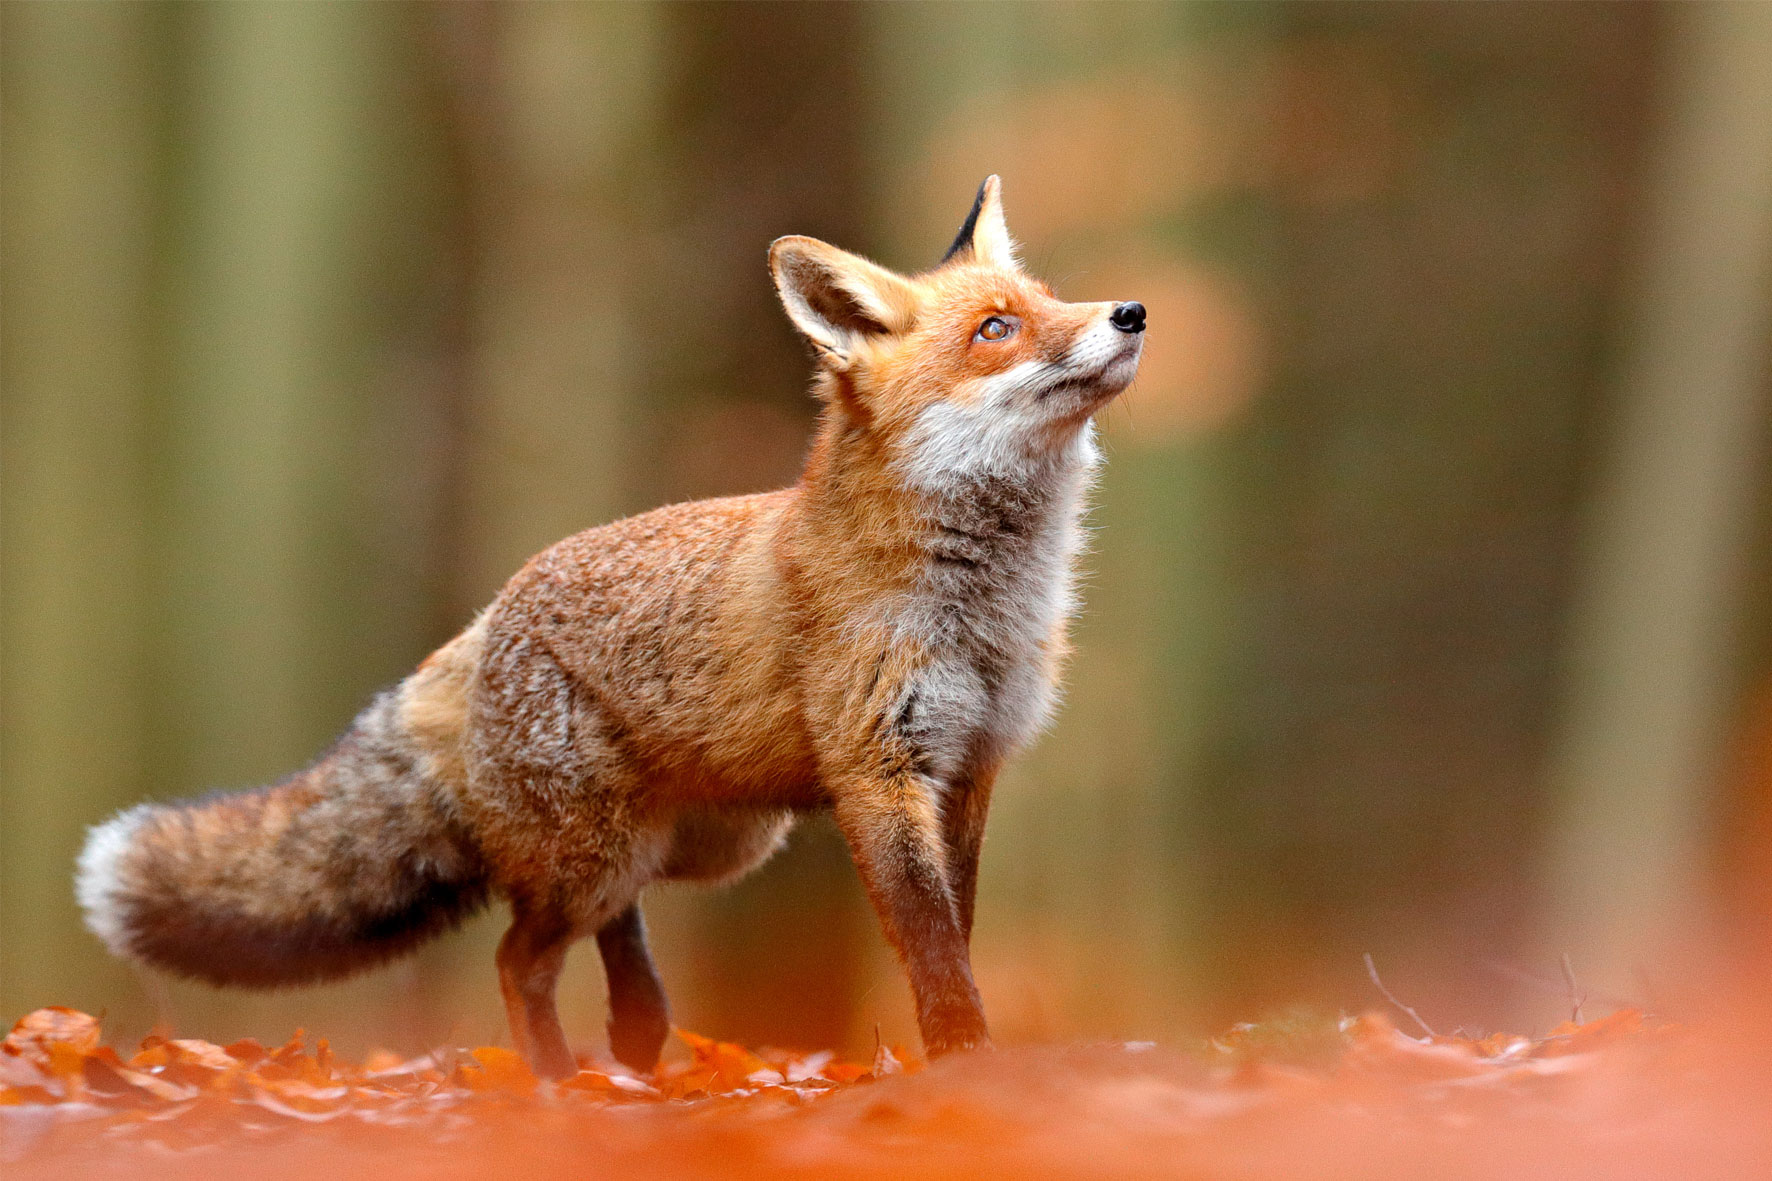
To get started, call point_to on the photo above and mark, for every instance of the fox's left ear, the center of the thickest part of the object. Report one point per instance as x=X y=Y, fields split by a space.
x=984 y=237
x=838 y=299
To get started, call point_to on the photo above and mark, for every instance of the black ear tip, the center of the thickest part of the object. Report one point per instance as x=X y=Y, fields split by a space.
x=963 y=240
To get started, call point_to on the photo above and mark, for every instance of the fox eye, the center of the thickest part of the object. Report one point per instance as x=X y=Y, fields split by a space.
x=995 y=328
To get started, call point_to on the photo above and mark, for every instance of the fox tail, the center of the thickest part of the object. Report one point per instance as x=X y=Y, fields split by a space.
x=356 y=860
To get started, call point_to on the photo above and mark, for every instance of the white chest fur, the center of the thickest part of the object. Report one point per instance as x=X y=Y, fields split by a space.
x=1000 y=547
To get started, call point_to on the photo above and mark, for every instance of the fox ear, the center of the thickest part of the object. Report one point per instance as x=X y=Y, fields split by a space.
x=984 y=237
x=836 y=298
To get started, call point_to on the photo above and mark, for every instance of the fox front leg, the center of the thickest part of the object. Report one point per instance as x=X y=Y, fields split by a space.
x=894 y=832
x=964 y=806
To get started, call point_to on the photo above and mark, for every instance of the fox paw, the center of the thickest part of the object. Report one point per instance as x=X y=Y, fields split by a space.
x=636 y=1039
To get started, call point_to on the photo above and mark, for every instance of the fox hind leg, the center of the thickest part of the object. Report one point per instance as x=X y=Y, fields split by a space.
x=639 y=1016
x=552 y=795
x=530 y=957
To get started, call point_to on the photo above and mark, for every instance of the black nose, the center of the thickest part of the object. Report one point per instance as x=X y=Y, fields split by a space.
x=1127 y=317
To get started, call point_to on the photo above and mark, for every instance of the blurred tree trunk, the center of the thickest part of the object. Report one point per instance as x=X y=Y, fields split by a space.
x=1655 y=668
x=292 y=576
x=1451 y=190
x=80 y=100
x=769 y=128
x=276 y=323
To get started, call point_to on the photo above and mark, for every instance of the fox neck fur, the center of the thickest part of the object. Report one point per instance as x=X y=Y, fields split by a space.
x=971 y=562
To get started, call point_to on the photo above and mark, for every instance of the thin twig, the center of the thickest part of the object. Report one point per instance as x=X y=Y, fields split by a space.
x=1546 y=984
x=1576 y=996
x=1372 y=971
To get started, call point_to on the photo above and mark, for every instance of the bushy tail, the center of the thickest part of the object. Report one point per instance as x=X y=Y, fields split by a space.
x=356 y=860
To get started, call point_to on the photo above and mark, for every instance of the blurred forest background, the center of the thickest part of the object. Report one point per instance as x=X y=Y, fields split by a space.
x=1431 y=604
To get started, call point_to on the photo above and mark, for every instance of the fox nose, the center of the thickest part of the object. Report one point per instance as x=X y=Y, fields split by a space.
x=1127 y=317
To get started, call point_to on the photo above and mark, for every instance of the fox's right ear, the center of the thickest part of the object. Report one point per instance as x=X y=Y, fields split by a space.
x=836 y=298
x=984 y=236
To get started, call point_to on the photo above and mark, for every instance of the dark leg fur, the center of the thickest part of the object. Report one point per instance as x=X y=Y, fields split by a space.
x=964 y=807
x=639 y=1018
x=529 y=960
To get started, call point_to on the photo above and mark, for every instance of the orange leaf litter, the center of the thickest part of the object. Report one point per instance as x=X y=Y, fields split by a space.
x=1622 y=1096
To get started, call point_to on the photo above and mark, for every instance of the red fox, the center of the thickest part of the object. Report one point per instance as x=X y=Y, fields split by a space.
x=657 y=699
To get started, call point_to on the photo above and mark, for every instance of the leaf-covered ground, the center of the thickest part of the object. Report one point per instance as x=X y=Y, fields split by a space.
x=1622 y=1096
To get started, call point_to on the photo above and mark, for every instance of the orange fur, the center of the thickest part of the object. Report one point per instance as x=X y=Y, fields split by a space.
x=657 y=698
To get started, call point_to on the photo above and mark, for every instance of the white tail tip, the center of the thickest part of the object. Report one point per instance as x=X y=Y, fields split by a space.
x=97 y=885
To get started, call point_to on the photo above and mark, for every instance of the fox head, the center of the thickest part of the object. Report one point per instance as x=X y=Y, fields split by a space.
x=974 y=366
